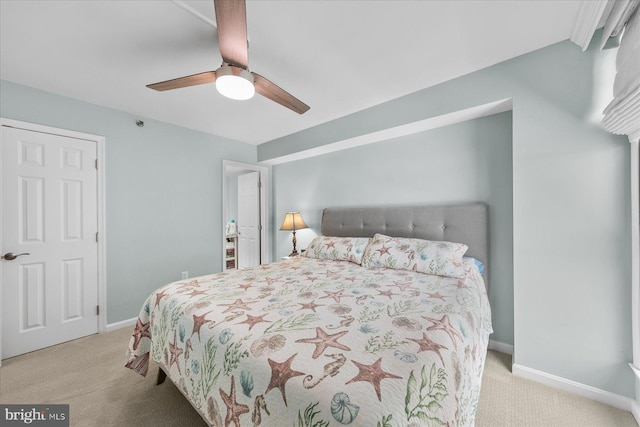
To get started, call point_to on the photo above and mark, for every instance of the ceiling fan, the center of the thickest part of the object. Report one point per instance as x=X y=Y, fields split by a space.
x=233 y=79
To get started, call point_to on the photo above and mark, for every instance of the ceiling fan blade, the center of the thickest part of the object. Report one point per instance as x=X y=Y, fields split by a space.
x=231 y=17
x=192 y=80
x=275 y=93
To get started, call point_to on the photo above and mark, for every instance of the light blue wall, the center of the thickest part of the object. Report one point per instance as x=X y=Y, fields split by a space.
x=469 y=161
x=163 y=192
x=571 y=221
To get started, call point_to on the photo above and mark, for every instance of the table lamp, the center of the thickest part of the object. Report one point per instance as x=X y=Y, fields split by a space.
x=293 y=221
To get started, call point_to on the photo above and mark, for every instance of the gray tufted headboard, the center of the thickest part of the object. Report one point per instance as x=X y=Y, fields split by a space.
x=464 y=223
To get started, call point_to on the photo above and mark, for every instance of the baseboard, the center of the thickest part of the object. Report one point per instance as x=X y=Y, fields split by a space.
x=603 y=396
x=501 y=347
x=635 y=410
x=121 y=324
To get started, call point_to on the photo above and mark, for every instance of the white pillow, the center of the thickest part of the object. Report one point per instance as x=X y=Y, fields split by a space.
x=424 y=256
x=337 y=248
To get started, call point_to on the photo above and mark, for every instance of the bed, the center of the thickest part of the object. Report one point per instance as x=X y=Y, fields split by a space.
x=384 y=321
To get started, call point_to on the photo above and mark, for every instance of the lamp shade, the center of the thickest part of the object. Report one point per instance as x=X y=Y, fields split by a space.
x=292 y=221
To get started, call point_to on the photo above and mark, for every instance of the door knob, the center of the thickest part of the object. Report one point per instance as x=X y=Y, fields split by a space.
x=10 y=256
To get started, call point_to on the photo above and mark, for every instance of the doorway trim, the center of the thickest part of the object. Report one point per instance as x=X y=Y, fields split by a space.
x=100 y=142
x=265 y=242
x=635 y=269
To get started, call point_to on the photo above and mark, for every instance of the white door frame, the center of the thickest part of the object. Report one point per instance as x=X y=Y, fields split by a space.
x=99 y=140
x=635 y=268
x=265 y=241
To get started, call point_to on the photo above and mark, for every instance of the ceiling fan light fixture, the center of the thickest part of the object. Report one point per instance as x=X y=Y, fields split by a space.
x=233 y=79
x=235 y=82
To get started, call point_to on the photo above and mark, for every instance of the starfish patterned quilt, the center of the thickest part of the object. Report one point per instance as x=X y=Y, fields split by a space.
x=317 y=342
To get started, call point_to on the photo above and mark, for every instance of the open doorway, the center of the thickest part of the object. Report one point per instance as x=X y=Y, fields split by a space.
x=245 y=189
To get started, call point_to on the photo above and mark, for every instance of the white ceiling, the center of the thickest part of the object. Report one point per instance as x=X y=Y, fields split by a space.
x=337 y=56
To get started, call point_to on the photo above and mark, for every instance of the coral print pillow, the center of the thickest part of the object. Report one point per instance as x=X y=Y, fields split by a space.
x=425 y=256
x=338 y=248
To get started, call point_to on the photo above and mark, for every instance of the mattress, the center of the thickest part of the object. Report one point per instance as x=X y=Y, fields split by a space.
x=318 y=342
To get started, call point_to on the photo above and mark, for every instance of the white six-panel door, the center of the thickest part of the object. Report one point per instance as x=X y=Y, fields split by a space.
x=49 y=211
x=249 y=220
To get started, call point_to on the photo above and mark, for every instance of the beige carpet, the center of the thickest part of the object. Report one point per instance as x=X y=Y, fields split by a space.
x=89 y=375
x=507 y=400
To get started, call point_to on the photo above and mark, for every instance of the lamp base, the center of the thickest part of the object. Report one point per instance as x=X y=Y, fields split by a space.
x=294 y=252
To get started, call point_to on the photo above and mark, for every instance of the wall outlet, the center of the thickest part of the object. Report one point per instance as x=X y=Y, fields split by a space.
x=185 y=274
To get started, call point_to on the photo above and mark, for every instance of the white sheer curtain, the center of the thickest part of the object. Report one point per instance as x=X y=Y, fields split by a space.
x=621 y=21
x=622 y=115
